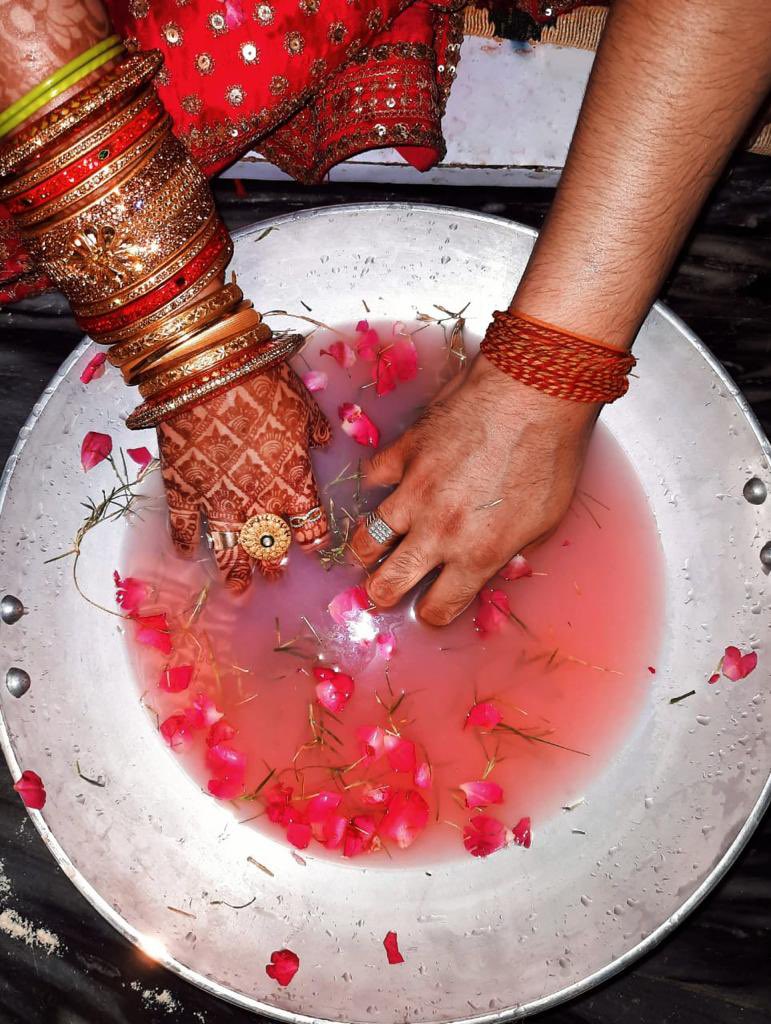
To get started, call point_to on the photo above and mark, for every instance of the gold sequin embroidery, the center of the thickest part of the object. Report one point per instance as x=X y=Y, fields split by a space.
x=264 y=13
x=337 y=32
x=249 y=53
x=217 y=23
x=172 y=33
x=278 y=85
x=139 y=8
x=235 y=95
x=294 y=43
x=191 y=104
x=310 y=6
x=204 y=63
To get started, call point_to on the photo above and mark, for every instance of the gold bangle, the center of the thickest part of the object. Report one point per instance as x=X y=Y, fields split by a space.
x=150 y=277
x=203 y=361
x=178 y=327
x=62 y=120
x=207 y=336
x=108 y=174
x=158 y=316
x=67 y=156
x=151 y=413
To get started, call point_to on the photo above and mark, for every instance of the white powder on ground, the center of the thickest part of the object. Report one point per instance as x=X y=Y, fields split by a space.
x=5 y=883
x=164 y=999
x=15 y=926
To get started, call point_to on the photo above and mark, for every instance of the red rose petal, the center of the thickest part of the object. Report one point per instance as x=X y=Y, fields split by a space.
x=405 y=359
x=153 y=631
x=202 y=713
x=299 y=834
x=334 y=689
x=226 y=787
x=362 y=326
x=348 y=604
x=95 y=448
x=94 y=369
x=516 y=569
x=401 y=753
x=177 y=679
x=141 y=456
x=384 y=374
x=522 y=834
x=483 y=716
x=223 y=759
x=485 y=835
x=176 y=731
x=367 y=346
x=422 y=777
x=283 y=966
x=276 y=801
x=315 y=380
x=738 y=666
x=372 y=740
x=220 y=732
x=386 y=644
x=494 y=611
x=358 y=425
x=376 y=796
x=405 y=819
x=130 y=593
x=482 y=793
x=31 y=790
x=333 y=831
x=342 y=353
x=322 y=805
x=359 y=835
x=391 y=944
x=714 y=677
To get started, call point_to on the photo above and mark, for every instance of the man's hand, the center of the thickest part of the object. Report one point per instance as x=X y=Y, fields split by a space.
x=488 y=470
x=238 y=455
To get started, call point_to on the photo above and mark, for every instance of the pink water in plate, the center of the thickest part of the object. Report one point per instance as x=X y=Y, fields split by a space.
x=567 y=688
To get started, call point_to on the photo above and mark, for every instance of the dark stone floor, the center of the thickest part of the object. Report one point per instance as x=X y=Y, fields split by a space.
x=716 y=967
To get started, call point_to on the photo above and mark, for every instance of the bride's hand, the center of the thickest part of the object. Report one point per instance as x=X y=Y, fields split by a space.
x=240 y=454
x=488 y=470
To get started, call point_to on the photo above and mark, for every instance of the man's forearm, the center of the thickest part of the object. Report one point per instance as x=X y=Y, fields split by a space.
x=670 y=95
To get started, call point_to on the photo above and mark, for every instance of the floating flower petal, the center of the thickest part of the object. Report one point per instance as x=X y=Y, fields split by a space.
x=484 y=716
x=359 y=835
x=348 y=604
x=315 y=380
x=376 y=796
x=405 y=819
x=177 y=732
x=130 y=593
x=94 y=369
x=405 y=359
x=522 y=833
x=203 y=712
x=342 y=353
x=142 y=457
x=367 y=346
x=220 y=732
x=177 y=679
x=226 y=787
x=384 y=373
x=333 y=831
x=322 y=805
x=482 y=793
x=386 y=644
x=31 y=790
x=358 y=425
x=391 y=944
x=95 y=448
x=283 y=966
x=516 y=569
x=423 y=775
x=276 y=801
x=485 y=835
x=299 y=834
x=334 y=689
x=736 y=665
x=153 y=631
x=225 y=760
x=493 y=612
x=372 y=739
x=401 y=753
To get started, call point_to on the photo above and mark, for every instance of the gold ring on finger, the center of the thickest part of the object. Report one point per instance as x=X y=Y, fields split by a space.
x=266 y=538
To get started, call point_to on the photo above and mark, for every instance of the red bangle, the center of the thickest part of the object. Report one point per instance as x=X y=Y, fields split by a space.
x=75 y=173
x=219 y=243
x=555 y=361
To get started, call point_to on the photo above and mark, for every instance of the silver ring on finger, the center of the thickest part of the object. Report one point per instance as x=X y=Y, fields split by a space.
x=222 y=540
x=378 y=529
x=306 y=518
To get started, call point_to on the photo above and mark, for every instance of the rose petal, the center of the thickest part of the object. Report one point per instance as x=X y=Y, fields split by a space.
x=483 y=716
x=322 y=805
x=362 y=326
x=226 y=787
x=391 y=944
x=348 y=604
x=220 y=732
x=224 y=760
x=714 y=677
x=95 y=448
x=176 y=731
x=276 y=801
x=516 y=569
x=401 y=753
x=299 y=834
x=405 y=819
x=130 y=593
x=736 y=665
x=400 y=328
x=333 y=693
x=493 y=612
x=423 y=775
x=367 y=346
x=203 y=712
x=384 y=373
x=485 y=835
x=342 y=353
x=359 y=835
x=482 y=793
x=376 y=796
x=141 y=456
x=358 y=425
x=521 y=833
x=333 y=830
x=315 y=380
x=177 y=679
x=31 y=790
x=405 y=359
x=94 y=368
x=283 y=966
x=153 y=631
x=372 y=740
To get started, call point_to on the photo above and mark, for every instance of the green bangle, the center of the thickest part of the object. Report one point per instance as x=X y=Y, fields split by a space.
x=45 y=93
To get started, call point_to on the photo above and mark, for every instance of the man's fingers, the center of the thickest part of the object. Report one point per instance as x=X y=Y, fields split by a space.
x=386 y=467
x=366 y=548
x=452 y=592
x=401 y=571
x=234 y=564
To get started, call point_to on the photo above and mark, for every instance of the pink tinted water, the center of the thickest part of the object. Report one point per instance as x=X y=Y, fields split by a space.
x=577 y=678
